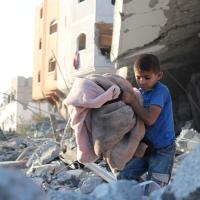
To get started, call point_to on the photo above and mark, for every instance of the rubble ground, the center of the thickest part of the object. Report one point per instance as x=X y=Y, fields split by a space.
x=38 y=159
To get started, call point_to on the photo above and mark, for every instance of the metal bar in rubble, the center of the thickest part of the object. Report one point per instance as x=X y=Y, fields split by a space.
x=107 y=176
x=21 y=156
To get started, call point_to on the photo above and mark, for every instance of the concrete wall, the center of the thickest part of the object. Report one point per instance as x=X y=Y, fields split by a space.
x=8 y=117
x=64 y=45
x=167 y=28
x=14 y=116
x=83 y=22
x=19 y=110
x=37 y=92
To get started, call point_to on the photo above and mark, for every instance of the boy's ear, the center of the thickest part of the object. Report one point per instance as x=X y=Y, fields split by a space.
x=160 y=75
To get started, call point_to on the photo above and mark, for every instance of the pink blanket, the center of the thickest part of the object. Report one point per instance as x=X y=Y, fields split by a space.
x=92 y=93
x=84 y=95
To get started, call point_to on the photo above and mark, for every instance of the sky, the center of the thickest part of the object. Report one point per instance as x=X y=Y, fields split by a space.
x=16 y=39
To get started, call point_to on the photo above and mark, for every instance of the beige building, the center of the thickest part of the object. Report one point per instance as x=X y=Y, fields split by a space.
x=72 y=38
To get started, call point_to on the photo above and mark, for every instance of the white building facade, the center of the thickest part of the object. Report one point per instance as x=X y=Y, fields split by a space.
x=88 y=32
x=18 y=109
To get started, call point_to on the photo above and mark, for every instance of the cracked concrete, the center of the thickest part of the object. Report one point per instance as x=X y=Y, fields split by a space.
x=156 y=22
x=169 y=29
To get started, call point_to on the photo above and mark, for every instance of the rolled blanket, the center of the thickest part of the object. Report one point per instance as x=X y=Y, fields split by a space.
x=109 y=124
x=122 y=152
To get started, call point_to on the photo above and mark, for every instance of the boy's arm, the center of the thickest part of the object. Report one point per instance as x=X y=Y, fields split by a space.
x=148 y=115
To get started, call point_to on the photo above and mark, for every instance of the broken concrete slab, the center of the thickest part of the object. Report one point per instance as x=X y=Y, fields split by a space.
x=45 y=153
x=13 y=164
x=40 y=170
x=88 y=184
x=14 y=185
x=122 y=189
x=186 y=182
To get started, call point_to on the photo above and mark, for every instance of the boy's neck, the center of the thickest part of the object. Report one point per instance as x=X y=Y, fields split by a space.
x=146 y=90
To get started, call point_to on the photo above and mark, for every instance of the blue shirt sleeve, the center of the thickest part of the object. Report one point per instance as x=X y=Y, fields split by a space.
x=157 y=98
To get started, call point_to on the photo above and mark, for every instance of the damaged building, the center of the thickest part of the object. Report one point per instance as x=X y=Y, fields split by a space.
x=169 y=29
x=18 y=109
x=72 y=39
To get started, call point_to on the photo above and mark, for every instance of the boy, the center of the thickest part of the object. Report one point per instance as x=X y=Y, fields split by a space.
x=158 y=118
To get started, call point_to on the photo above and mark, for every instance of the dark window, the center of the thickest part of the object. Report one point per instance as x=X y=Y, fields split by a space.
x=38 y=77
x=81 y=41
x=12 y=96
x=105 y=52
x=53 y=27
x=113 y=2
x=8 y=99
x=40 y=44
x=52 y=64
x=41 y=13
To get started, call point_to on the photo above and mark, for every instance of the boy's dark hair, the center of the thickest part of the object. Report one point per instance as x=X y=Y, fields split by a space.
x=147 y=62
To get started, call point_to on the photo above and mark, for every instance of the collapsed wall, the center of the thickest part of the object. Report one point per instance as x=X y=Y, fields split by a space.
x=169 y=29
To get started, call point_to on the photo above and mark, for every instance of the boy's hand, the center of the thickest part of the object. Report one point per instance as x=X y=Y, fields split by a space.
x=128 y=96
x=140 y=151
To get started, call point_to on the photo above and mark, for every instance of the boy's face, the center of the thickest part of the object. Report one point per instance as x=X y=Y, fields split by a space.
x=146 y=79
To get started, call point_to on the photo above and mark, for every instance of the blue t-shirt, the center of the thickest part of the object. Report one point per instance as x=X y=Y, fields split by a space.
x=161 y=133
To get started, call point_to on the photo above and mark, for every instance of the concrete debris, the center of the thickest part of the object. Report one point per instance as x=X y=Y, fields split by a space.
x=40 y=170
x=64 y=177
x=123 y=189
x=194 y=98
x=52 y=195
x=39 y=167
x=44 y=154
x=13 y=164
x=88 y=184
x=108 y=176
x=188 y=139
x=14 y=185
x=186 y=183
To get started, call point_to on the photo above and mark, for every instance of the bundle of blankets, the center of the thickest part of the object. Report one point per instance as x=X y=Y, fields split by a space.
x=103 y=124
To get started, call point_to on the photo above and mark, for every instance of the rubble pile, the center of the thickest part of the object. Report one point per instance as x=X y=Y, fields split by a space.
x=39 y=159
x=38 y=168
x=186 y=183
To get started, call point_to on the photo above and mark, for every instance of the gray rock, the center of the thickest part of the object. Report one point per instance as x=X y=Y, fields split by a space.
x=186 y=183
x=44 y=154
x=89 y=184
x=14 y=185
x=52 y=195
x=122 y=189
x=63 y=177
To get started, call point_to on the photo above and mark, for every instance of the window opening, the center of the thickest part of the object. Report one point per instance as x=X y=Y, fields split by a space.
x=81 y=42
x=52 y=64
x=53 y=27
